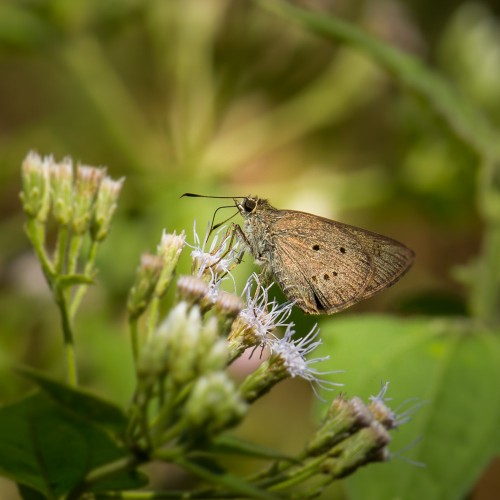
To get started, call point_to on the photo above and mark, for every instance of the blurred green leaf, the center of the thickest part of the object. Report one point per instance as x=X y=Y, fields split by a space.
x=455 y=112
x=29 y=494
x=86 y=405
x=21 y=28
x=50 y=449
x=449 y=364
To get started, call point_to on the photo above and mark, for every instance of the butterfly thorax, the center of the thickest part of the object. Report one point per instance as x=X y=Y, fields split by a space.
x=259 y=217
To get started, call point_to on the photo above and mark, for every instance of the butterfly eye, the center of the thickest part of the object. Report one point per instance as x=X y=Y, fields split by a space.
x=249 y=205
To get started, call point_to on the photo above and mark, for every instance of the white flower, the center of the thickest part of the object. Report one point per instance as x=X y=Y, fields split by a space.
x=260 y=315
x=293 y=354
x=219 y=259
x=391 y=419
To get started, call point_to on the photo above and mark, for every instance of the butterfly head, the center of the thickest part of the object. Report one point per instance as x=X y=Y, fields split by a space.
x=248 y=205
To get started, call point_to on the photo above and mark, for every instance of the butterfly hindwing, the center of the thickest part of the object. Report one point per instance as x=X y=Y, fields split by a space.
x=344 y=264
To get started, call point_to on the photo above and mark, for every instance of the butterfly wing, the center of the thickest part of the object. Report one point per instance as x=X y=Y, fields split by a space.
x=326 y=266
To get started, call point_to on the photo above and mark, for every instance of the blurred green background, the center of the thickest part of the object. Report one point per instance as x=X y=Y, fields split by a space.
x=228 y=98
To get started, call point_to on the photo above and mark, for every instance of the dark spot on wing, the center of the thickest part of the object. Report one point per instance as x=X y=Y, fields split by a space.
x=326 y=277
x=342 y=250
x=335 y=273
x=319 y=305
x=315 y=247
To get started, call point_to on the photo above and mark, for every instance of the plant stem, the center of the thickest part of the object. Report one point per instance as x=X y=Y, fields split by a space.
x=61 y=247
x=88 y=271
x=74 y=251
x=69 y=344
x=36 y=233
x=153 y=315
x=485 y=274
x=134 y=338
x=102 y=473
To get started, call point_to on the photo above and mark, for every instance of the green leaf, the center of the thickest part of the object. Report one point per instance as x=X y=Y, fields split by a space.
x=28 y=493
x=86 y=405
x=49 y=449
x=455 y=112
x=233 y=445
x=453 y=365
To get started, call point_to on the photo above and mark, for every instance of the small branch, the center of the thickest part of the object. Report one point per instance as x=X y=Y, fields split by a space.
x=61 y=248
x=36 y=233
x=102 y=473
x=88 y=271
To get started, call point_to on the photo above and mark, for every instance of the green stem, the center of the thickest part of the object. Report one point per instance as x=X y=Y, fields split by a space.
x=485 y=274
x=61 y=249
x=134 y=338
x=102 y=473
x=158 y=495
x=36 y=233
x=69 y=344
x=88 y=271
x=74 y=252
x=153 y=315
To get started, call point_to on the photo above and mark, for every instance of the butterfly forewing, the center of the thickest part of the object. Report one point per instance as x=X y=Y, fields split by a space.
x=345 y=264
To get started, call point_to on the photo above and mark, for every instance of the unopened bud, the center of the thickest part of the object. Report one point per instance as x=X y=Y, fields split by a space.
x=169 y=250
x=105 y=206
x=61 y=179
x=35 y=194
x=146 y=278
x=87 y=184
x=214 y=404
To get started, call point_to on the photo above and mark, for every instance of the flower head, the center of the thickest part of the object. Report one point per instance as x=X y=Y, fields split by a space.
x=390 y=419
x=87 y=184
x=292 y=354
x=288 y=359
x=61 y=179
x=260 y=316
x=35 y=194
x=147 y=275
x=169 y=250
x=105 y=206
x=219 y=259
x=214 y=404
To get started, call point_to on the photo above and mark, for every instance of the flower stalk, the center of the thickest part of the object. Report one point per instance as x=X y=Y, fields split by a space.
x=51 y=189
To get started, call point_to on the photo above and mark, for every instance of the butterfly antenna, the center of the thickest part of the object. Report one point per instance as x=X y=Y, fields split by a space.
x=194 y=195
x=216 y=226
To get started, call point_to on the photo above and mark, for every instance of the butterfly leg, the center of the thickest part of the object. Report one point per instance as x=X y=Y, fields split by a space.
x=233 y=231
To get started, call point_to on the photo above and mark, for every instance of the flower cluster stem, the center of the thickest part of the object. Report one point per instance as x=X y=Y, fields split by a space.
x=69 y=344
x=61 y=247
x=134 y=338
x=36 y=233
x=88 y=271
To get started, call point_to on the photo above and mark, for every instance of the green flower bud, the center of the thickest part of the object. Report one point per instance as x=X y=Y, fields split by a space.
x=146 y=278
x=105 y=206
x=35 y=194
x=61 y=180
x=342 y=419
x=196 y=291
x=367 y=445
x=169 y=250
x=214 y=404
x=87 y=184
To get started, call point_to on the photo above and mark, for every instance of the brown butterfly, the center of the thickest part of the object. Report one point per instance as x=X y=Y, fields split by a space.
x=324 y=266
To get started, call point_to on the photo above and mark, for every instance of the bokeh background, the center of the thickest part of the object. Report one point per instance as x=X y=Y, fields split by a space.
x=227 y=97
